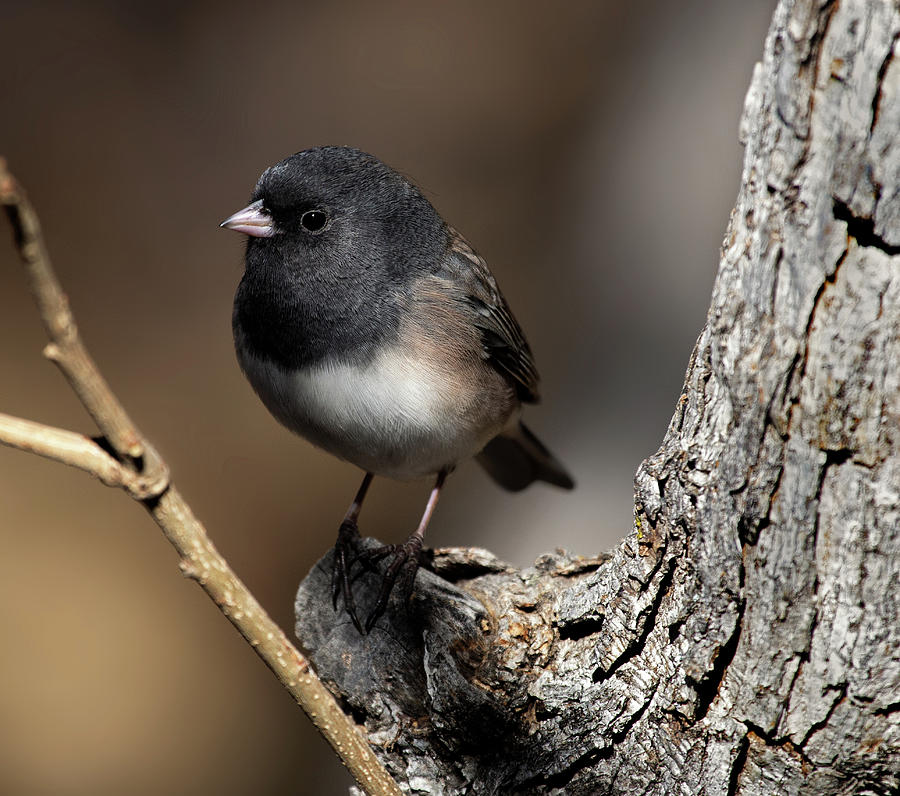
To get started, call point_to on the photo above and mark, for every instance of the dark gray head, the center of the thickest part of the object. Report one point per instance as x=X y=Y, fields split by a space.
x=341 y=208
x=334 y=237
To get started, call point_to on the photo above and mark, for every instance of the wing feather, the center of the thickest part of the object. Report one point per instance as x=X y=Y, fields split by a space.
x=503 y=344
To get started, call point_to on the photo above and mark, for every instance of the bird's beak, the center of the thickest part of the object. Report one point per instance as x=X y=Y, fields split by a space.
x=252 y=220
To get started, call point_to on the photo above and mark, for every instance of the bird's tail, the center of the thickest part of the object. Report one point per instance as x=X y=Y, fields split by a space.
x=516 y=458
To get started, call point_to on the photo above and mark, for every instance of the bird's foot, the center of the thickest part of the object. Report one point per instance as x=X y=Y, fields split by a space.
x=405 y=562
x=402 y=569
x=345 y=556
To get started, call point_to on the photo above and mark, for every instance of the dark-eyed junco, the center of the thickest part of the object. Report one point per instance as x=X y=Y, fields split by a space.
x=369 y=326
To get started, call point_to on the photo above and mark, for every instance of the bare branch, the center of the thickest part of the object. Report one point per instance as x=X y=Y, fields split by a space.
x=138 y=468
x=65 y=348
x=68 y=447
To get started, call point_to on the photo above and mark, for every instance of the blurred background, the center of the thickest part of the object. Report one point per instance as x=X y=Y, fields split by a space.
x=587 y=149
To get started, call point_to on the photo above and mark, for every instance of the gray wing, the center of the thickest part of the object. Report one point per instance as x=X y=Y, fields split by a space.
x=502 y=342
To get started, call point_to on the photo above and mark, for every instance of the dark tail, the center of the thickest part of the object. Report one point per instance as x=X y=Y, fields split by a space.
x=517 y=457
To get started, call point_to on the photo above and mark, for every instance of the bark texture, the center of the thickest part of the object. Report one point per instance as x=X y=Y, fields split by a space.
x=744 y=638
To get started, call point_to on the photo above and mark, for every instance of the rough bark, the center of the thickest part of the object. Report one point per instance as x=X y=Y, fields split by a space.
x=744 y=638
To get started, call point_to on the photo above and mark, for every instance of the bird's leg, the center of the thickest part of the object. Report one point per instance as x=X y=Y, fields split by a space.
x=405 y=562
x=343 y=548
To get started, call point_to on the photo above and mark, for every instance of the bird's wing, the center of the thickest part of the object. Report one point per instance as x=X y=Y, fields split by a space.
x=502 y=342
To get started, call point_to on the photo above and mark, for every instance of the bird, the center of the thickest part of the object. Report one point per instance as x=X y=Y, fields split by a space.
x=369 y=326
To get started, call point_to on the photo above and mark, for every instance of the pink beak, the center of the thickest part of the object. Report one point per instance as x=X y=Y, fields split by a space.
x=252 y=220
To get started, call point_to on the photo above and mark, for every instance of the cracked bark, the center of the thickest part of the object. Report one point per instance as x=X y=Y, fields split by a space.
x=744 y=637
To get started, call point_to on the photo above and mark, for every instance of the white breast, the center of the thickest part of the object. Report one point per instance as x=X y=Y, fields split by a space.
x=395 y=416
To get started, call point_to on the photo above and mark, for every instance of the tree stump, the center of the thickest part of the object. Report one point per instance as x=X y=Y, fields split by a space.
x=744 y=638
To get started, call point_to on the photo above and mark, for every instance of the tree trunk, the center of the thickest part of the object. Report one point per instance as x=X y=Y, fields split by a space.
x=744 y=638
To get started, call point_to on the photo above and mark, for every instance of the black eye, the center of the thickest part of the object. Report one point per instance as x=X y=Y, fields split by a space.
x=314 y=220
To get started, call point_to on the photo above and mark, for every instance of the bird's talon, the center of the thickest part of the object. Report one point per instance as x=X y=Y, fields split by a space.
x=344 y=547
x=402 y=568
x=367 y=558
x=405 y=559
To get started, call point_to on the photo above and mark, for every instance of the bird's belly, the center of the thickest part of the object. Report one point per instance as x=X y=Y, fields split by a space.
x=395 y=416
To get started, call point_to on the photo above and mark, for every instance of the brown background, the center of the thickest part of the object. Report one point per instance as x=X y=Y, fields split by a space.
x=588 y=150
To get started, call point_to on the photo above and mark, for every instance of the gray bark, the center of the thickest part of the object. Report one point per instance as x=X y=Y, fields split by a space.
x=744 y=637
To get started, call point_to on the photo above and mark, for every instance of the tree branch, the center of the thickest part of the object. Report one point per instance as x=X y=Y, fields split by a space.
x=65 y=348
x=68 y=447
x=133 y=464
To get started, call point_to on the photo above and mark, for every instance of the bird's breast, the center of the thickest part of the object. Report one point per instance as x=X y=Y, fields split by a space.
x=399 y=415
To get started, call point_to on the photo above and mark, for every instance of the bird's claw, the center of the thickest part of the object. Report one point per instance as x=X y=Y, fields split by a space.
x=403 y=567
x=345 y=556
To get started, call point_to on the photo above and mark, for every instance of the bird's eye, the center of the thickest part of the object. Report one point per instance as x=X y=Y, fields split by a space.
x=314 y=220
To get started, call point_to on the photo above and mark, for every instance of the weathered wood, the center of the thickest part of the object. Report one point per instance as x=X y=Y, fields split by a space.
x=744 y=638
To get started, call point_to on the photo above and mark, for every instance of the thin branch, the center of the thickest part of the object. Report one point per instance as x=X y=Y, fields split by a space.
x=136 y=467
x=65 y=348
x=68 y=447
